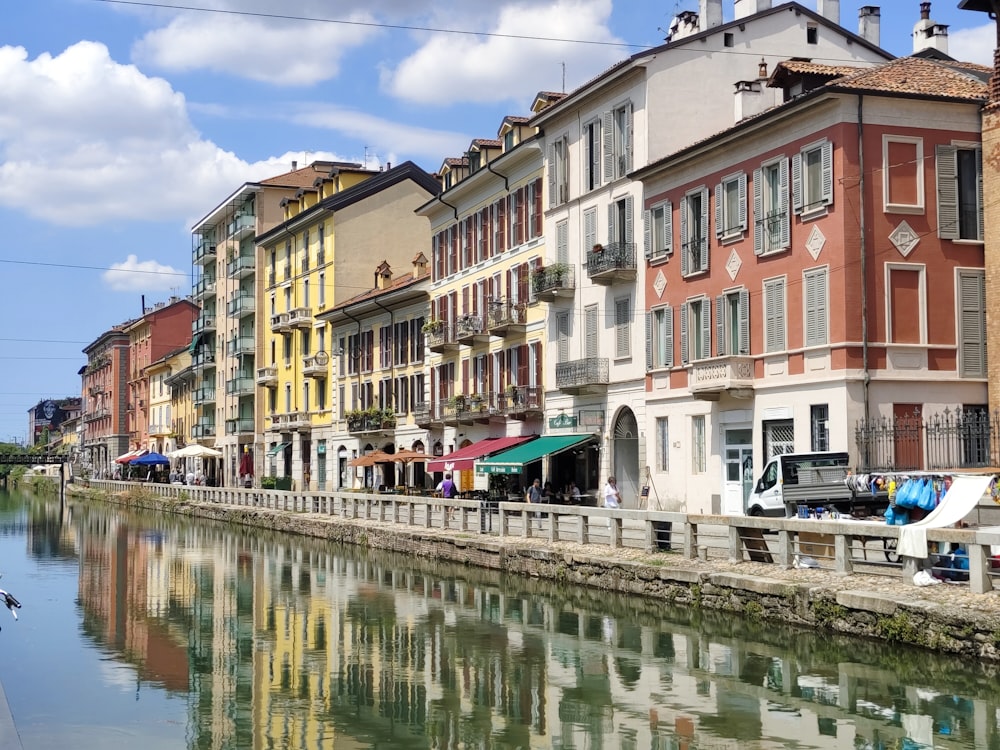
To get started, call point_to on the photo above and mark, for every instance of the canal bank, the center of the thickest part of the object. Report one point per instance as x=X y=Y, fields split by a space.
x=944 y=618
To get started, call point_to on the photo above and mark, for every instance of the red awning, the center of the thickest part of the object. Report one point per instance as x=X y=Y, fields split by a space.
x=131 y=455
x=465 y=458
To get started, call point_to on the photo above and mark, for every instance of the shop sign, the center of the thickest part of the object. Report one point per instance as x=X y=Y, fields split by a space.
x=592 y=418
x=562 y=421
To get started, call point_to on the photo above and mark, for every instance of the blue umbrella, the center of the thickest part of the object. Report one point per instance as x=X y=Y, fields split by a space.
x=151 y=459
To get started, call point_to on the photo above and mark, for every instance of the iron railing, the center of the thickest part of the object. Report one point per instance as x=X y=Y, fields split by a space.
x=962 y=438
x=615 y=256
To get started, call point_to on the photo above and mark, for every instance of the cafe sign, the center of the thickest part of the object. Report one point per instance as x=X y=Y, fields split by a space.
x=563 y=421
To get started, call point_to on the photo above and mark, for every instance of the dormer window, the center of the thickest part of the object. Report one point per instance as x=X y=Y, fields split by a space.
x=508 y=140
x=474 y=161
x=447 y=180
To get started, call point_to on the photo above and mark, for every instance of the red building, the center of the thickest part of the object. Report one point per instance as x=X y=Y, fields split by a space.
x=817 y=264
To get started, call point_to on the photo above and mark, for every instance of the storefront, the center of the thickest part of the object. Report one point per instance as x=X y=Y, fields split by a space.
x=559 y=459
x=460 y=463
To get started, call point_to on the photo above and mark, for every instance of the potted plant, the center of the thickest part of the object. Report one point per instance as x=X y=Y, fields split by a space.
x=433 y=326
x=267 y=483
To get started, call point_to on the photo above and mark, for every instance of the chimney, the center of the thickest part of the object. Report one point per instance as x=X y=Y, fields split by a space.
x=829 y=9
x=419 y=265
x=749 y=99
x=869 y=21
x=684 y=25
x=383 y=276
x=927 y=34
x=744 y=8
x=709 y=14
x=295 y=165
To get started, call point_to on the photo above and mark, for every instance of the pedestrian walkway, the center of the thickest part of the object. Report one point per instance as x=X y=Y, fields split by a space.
x=9 y=739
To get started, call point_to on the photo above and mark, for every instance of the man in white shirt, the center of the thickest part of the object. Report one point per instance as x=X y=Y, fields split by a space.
x=612 y=498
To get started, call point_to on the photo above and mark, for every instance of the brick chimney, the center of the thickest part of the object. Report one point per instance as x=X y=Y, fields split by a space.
x=927 y=34
x=383 y=275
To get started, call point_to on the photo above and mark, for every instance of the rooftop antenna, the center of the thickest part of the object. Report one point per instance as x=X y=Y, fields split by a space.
x=366 y=157
x=563 y=76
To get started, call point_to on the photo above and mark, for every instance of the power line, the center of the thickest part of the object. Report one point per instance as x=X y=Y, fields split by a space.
x=92 y=268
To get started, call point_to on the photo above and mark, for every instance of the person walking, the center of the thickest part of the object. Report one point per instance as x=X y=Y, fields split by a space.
x=448 y=491
x=534 y=495
x=612 y=497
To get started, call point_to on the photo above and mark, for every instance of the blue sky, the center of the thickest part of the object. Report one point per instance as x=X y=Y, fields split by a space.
x=123 y=123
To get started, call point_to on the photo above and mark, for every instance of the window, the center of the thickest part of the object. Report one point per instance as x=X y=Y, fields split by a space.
x=305 y=293
x=474 y=161
x=591 y=346
x=906 y=299
x=960 y=192
x=819 y=422
x=592 y=137
x=659 y=338
x=286 y=349
x=617 y=137
x=589 y=229
x=902 y=174
x=659 y=231
x=306 y=403
x=322 y=290
x=662 y=444
x=288 y=398
x=770 y=207
x=732 y=321
x=779 y=437
x=812 y=178
x=812 y=34
x=562 y=337
x=731 y=207
x=698 y=445
x=623 y=327
x=559 y=172
x=815 y=301
x=774 y=315
x=728 y=40
x=508 y=140
x=696 y=330
x=694 y=232
x=971 y=323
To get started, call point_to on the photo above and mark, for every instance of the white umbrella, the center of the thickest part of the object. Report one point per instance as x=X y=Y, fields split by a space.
x=195 y=451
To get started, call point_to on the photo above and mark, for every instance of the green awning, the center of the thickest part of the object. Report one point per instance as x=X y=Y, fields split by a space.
x=278 y=448
x=195 y=340
x=513 y=460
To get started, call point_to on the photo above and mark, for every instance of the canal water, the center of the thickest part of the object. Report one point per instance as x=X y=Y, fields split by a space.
x=154 y=631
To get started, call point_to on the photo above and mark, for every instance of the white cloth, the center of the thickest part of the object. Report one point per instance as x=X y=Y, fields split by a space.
x=960 y=499
x=612 y=498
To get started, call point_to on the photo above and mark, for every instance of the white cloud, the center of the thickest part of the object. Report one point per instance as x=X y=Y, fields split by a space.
x=973 y=45
x=134 y=275
x=85 y=140
x=450 y=68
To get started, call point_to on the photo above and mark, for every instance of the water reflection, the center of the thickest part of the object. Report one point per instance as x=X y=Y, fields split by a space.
x=276 y=641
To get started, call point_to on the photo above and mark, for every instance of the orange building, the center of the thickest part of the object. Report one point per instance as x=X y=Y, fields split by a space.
x=105 y=436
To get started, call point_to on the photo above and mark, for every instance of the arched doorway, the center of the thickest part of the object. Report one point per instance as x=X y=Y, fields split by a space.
x=341 y=467
x=419 y=467
x=625 y=455
x=388 y=469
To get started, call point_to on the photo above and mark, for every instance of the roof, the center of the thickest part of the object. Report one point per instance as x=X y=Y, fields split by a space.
x=465 y=458
x=306 y=176
x=511 y=461
x=808 y=67
x=456 y=161
x=400 y=282
x=488 y=142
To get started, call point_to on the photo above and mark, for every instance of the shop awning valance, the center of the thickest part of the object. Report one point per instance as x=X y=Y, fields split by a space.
x=513 y=460
x=465 y=458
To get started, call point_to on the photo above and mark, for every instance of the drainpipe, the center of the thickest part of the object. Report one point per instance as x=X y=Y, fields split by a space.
x=359 y=347
x=866 y=376
x=506 y=183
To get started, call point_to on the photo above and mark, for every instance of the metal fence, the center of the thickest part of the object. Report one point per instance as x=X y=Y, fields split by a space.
x=963 y=438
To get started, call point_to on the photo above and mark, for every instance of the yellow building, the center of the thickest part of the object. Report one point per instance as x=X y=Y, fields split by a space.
x=485 y=329
x=324 y=252
x=378 y=379
x=162 y=437
x=180 y=379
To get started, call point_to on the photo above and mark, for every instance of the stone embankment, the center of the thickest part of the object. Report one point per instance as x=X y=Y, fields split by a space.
x=944 y=618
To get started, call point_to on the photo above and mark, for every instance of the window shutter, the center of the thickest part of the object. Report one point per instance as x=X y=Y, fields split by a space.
x=623 y=343
x=719 y=219
x=612 y=224
x=741 y=195
x=775 y=315
x=668 y=227
x=590 y=340
x=647 y=233
x=744 y=321
x=629 y=221
x=684 y=333
x=972 y=323
x=552 y=176
x=720 y=325
x=706 y=327
x=627 y=136
x=595 y=153
x=562 y=242
x=797 y=183
x=685 y=249
x=562 y=326
x=758 y=210
x=816 y=308
x=536 y=186
x=786 y=224
x=826 y=157
x=947 y=192
x=649 y=341
x=703 y=239
x=979 y=195
x=668 y=335
x=590 y=229
x=608 y=136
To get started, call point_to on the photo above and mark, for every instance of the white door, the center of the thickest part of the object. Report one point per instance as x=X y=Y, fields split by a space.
x=737 y=466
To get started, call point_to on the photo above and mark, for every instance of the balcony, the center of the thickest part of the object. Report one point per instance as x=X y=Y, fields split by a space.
x=203 y=253
x=159 y=430
x=280 y=323
x=241 y=266
x=440 y=337
x=241 y=226
x=203 y=396
x=370 y=420
x=240 y=426
x=505 y=318
x=314 y=365
x=615 y=262
x=203 y=289
x=270 y=277
x=583 y=376
x=203 y=428
x=424 y=414
x=295 y=420
x=95 y=390
x=242 y=385
x=203 y=324
x=241 y=306
x=520 y=402
x=553 y=281
x=95 y=414
x=470 y=330
x=202 y=360
x=709 y=379
x=300 y=317
x=241 y=345
x=267 y=376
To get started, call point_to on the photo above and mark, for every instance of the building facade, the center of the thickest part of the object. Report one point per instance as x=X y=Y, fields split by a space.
x=105 y=397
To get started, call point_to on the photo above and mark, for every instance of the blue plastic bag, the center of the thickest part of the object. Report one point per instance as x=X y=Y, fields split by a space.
x=928 y=497
x=906 y=496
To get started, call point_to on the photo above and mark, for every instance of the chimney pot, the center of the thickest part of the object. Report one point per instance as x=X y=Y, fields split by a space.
x=925 y=10
x=295 y=164
x=869 y=21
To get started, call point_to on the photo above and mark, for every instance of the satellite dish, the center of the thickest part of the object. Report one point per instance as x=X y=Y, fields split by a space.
x=321 y=358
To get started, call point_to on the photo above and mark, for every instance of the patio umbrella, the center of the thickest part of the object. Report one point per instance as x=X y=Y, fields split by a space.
x=408 y=456
x=246 y=464
x=195 y=451
x=127 y=458
x=150 y=459
x=370 y=459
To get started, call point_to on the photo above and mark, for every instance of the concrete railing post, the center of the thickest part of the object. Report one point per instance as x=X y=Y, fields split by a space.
x=842 y=554
x=979 y=569
x=735 y=545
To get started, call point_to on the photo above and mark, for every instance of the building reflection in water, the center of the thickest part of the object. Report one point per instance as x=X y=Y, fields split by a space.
x=277 y=641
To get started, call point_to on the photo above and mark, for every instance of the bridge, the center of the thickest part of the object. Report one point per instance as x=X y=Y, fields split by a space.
x=35 y=459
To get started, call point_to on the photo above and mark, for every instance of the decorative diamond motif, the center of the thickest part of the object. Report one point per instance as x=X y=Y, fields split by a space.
x=904 y=238
x=659 y=284
x=734 y=264
x=815 y=242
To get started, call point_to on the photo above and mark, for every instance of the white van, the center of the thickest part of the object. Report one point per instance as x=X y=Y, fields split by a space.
x=793 y=479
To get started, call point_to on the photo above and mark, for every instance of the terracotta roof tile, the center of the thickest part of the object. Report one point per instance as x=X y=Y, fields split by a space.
x=807 y=67
x=306 y=176
x=919 y=77
x=399 y=282
x=516 y=119
x=488 y=142
x=457 y=161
